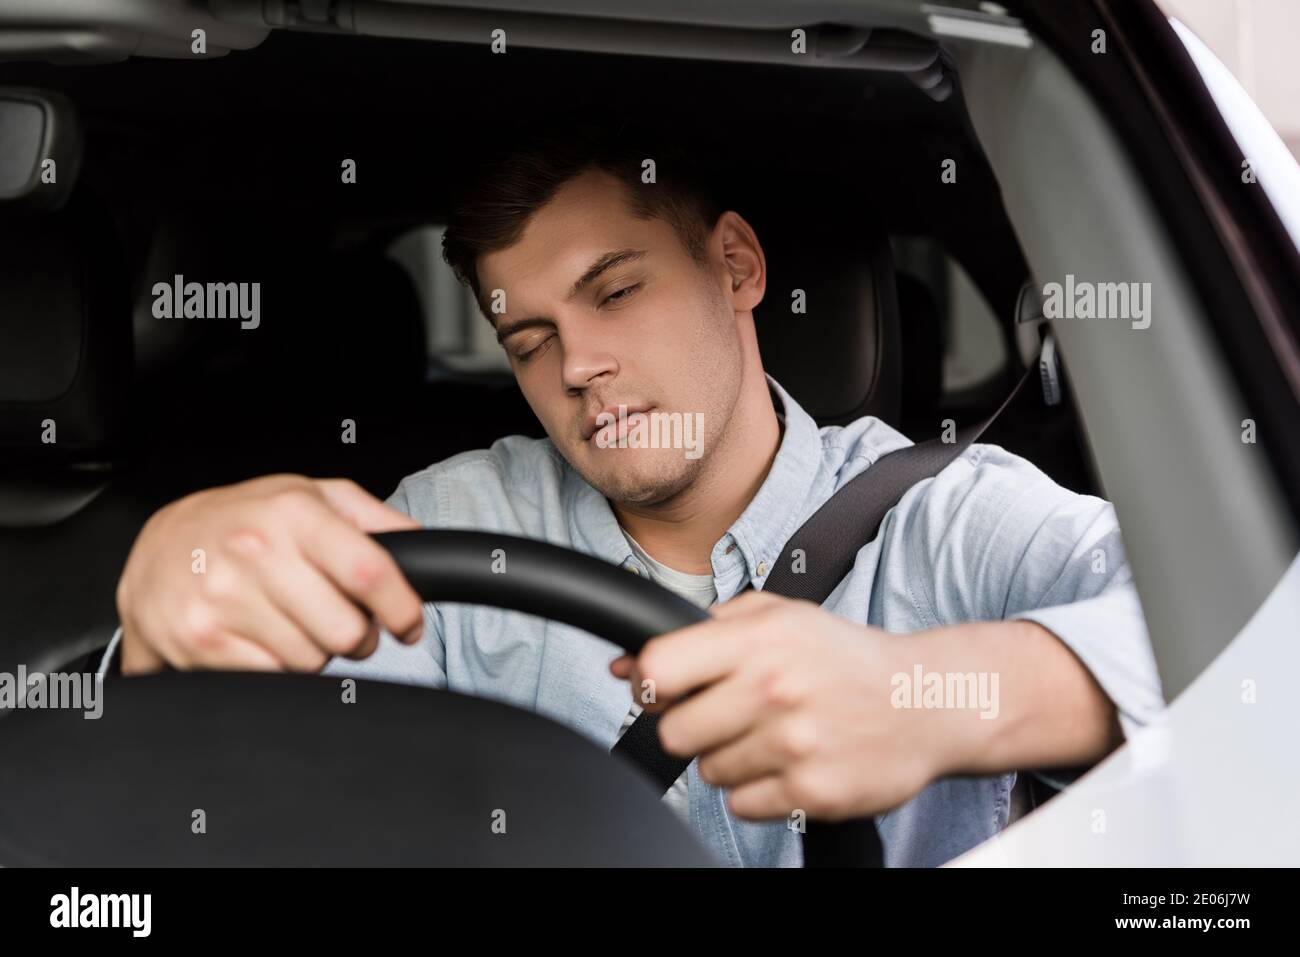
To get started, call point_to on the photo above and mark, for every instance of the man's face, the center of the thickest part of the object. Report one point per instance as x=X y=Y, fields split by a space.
x=605 y=310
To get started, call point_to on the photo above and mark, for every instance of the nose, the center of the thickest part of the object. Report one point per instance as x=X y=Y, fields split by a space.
x=586 y=359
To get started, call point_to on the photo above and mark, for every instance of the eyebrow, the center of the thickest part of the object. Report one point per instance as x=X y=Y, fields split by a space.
x=606 y=262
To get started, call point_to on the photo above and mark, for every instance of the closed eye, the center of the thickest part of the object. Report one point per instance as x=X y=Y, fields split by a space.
x=534 y=351
x=622 y=293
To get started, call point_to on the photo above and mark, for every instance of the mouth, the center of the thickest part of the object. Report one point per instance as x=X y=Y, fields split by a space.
x=617 y=416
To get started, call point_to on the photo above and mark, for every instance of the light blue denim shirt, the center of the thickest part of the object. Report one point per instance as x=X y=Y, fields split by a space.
x=990 y=538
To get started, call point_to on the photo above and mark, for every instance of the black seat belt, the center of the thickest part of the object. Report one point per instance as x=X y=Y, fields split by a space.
x=830 y=541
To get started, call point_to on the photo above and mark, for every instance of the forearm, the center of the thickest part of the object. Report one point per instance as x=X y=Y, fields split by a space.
x=1050 y=711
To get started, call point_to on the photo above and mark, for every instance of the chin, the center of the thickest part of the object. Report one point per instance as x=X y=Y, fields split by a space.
x=642 y=484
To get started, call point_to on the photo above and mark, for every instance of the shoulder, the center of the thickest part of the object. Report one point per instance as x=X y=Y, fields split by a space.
x=850 y=449
x=992 y=499
x=982 y=473
x=479 y=487
x=989 y=478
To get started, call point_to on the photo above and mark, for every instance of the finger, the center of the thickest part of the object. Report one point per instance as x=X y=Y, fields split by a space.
x=742 y=607
x=228 y=651
x=747 y=758
x=364 y=571
x=368 y=644
x=621 y=667
x=712 y=718
x=327 y=619
x=764 y=799
x=361 y=508
x=744 y=604
x=691 y=657
x=258 y=619
x=138 y=658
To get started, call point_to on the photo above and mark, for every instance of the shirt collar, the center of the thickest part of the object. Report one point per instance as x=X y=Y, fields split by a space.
x=777 y=510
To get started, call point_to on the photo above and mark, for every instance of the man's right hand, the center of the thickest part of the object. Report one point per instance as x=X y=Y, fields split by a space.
x=288 y=578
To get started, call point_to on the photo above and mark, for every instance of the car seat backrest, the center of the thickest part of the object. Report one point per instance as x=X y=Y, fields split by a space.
x=922 y=338
x=65 y=390
x=840 y=356
x=65 y=336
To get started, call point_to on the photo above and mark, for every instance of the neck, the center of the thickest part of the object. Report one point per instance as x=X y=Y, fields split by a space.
x=682 y=531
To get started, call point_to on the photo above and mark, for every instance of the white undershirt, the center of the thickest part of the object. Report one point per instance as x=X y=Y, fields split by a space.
x=698 y=590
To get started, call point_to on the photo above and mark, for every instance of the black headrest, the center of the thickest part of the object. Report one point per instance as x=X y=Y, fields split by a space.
x=342 y=327
x=334 y=332
x=65 y=334
x=840 y=358
x=922 y=340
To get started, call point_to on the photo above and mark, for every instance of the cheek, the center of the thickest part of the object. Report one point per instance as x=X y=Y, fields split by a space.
x=693 y=337
x=712 y=346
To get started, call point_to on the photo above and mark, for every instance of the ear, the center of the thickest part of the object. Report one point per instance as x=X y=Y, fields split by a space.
x=743 y=258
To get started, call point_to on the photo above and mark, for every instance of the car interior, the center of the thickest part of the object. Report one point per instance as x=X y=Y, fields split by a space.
x=149 y=409
x=227 y=168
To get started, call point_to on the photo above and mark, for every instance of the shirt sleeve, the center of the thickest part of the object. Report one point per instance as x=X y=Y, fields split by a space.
x=110 y=664
x=996 y=539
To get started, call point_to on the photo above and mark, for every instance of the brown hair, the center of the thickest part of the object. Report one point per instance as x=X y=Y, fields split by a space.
x=492 y=212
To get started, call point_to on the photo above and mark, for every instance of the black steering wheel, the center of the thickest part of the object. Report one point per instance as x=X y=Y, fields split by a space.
x=213 y=768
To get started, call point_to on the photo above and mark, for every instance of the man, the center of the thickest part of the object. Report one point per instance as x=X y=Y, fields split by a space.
x=613 y=294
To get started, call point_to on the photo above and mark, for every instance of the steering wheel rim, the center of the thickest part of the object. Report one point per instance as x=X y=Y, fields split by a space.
x=538 y=578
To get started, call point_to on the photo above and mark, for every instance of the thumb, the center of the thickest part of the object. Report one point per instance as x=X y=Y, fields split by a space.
x=361 y=508
x=136 y=657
